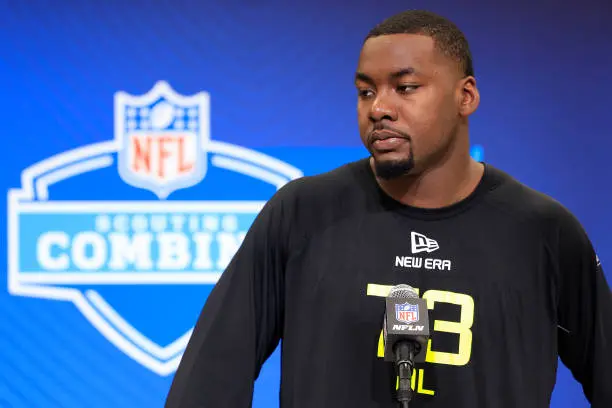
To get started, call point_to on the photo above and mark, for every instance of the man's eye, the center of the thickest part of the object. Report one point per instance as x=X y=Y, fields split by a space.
x=407 y=88
x=365 y=93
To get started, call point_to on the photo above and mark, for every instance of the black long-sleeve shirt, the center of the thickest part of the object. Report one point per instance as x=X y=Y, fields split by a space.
x=510 y=277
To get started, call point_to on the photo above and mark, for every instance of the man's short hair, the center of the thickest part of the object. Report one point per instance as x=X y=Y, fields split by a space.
x=446 y=35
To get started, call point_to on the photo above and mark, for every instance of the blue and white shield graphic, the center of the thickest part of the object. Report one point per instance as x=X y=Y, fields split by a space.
x=407 y=313
x=84 y=229
x=161 y=136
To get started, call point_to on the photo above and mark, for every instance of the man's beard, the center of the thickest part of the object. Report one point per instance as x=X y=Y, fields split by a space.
x=391 y=169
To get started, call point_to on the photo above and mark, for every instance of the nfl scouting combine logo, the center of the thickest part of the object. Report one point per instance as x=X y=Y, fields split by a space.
x=115 y=258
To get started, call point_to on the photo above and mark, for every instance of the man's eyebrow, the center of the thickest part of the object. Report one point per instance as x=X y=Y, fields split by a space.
x=402 y=72
x=360 y=76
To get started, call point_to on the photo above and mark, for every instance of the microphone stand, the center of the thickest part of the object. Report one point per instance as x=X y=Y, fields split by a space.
x=404 y=362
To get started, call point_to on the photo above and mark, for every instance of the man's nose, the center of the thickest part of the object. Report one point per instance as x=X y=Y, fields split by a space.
x=383 y=108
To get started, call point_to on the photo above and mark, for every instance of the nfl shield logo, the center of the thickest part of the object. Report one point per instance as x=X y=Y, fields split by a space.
x=161 y=137
x=407 y=313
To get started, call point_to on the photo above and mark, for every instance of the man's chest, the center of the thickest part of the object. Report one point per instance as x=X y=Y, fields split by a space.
x=349 y=256
x=476 y=277
x=486 y=287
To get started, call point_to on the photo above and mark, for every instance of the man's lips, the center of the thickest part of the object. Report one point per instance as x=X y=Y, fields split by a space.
x=385 y=140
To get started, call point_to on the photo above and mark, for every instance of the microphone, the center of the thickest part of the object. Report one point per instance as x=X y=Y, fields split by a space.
x=405 y=335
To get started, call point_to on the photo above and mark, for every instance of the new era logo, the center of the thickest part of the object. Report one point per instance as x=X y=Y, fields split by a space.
x=420 y=243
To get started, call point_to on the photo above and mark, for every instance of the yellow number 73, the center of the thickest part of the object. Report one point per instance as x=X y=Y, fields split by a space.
x=462 y=328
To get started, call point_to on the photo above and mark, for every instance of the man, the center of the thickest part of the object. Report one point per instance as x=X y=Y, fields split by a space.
x=510 y=277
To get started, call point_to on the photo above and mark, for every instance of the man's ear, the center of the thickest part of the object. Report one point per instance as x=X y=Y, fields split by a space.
x=470 y=97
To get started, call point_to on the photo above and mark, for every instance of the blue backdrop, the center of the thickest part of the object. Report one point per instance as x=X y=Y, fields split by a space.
x=95 y=315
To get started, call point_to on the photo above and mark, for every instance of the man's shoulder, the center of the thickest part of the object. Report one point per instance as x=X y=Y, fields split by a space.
x=333 y=182
x=527 y=203
x=314 y=201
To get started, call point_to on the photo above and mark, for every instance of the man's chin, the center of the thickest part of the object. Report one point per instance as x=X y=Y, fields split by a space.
x=390 y=169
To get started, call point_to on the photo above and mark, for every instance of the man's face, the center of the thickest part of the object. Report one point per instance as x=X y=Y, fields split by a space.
x=408 y=102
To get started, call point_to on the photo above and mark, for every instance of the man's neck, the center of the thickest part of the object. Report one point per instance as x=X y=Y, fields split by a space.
x=437 y=187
